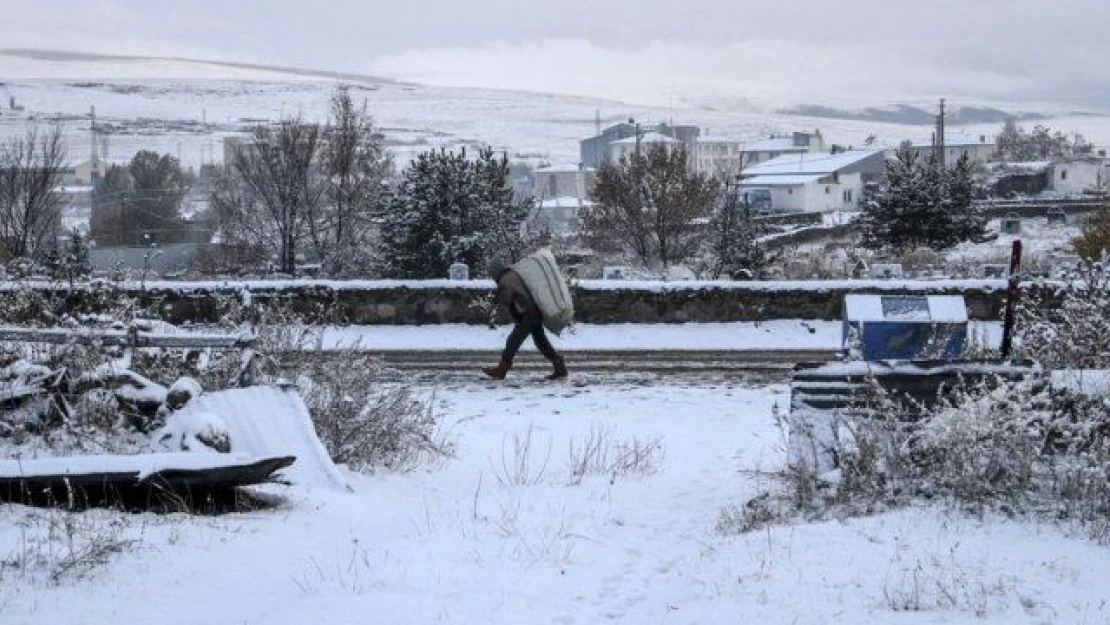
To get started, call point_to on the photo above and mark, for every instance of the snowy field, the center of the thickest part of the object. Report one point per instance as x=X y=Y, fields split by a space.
x=186 y=108
x=505 y=532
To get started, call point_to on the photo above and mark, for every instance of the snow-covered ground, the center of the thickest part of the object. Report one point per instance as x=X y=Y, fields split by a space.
x=764 y=335
x=488 y=538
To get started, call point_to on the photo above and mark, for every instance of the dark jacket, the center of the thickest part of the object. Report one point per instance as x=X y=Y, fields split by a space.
x=514 y=296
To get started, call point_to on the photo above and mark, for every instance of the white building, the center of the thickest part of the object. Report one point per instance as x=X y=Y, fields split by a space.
x=1079 y=176
x=556 y=181
x=813 y=182
x=718 y=156
x=559 y=215
x=755 y=152
x=957 y=144
x=625 y=148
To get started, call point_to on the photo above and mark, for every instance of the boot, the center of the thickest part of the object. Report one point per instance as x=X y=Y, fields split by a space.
x=560 y=371
x=498 y=372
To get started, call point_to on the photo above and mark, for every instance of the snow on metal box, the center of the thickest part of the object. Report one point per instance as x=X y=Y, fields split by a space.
x=895 y=327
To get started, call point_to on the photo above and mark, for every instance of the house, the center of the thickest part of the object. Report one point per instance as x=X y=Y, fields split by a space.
x=76 y=207
x=814 y=181
x=717 y=156
x=556 y=181
x=625 y=148
x=1028 y=178
x=598 y=150
x=559 y=215
x=957 y=144
x=763 y=150
x=1080 y=176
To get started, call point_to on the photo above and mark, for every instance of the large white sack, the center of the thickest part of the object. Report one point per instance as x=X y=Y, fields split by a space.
x=548 y=287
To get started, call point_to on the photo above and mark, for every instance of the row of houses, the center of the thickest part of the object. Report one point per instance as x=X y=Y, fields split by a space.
x=795 y=172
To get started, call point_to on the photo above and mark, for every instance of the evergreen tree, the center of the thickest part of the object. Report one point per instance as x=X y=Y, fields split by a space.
x=1094 y=240
x=71 y=261
x=733 y=246
x=447 y=209
x=923 y=205
x=140 y=203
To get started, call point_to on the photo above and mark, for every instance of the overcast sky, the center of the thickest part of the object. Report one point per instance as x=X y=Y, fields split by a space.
x=1015 y=51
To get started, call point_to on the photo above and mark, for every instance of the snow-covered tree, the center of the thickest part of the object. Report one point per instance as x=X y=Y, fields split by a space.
x=922 y=206
x=650 y=204
x=733 y=248
x=357 y=166
x=1094 y=240
x=1042 y=143
x=31 y=168
x=70 y=261
x=450 y=208
x=273 y=189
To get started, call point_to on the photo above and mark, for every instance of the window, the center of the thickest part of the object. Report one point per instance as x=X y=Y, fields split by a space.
x=847 y=196
x=553 y=186
x=828 y=190
x=1063 y=174
x=790 y=191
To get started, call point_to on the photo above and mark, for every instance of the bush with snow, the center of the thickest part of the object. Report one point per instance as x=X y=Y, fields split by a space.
x=1019 y=448
x=363 y=422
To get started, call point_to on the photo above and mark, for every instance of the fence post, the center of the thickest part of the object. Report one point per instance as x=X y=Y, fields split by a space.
x=1013 y=292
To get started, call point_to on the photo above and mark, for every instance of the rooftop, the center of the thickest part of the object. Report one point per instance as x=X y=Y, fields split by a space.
x=565 y=202
x=797 y=180
x=647 y=137
x=810 y=163
x=562 y=168
x=955 y=139
x=774 y=144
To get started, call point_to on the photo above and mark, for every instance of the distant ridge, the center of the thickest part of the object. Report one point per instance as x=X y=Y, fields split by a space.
x=904 y=114
x=63 y=55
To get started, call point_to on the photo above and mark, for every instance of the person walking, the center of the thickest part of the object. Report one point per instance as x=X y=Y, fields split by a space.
x=513 y=295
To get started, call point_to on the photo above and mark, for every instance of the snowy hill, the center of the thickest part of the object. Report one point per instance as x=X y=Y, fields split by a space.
x=184 y=106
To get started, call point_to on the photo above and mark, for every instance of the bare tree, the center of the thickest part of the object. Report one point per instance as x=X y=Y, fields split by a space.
x=651 y=203
x=357 y=165
x=281 y=188
x=31 y=169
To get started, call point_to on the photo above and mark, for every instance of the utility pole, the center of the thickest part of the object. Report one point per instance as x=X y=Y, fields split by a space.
x=939 y=142
x=93 y=156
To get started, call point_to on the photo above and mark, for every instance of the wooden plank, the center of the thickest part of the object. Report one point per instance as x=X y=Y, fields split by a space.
x=59 y=336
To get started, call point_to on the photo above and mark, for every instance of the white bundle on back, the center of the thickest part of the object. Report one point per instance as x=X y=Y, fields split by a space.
x=548 y=287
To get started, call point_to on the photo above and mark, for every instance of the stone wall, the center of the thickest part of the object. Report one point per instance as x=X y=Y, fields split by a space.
x=441 y=301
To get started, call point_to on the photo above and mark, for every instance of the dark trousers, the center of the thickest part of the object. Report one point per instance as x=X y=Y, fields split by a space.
x=525 y=326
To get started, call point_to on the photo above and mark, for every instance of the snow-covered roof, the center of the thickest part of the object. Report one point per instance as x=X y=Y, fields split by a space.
x=74 y=189
x=565 y=202
x=775 y=144
x=1027 y=166
x=809 y=163
x=781 y=181
x=716 y=139
x=562 y=168
x=955 y=139
x=648 y=137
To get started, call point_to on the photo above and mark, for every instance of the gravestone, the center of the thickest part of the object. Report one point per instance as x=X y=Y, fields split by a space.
x=459 y=272
x=887 y=270
x=1010 y=224
x=616 y=273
